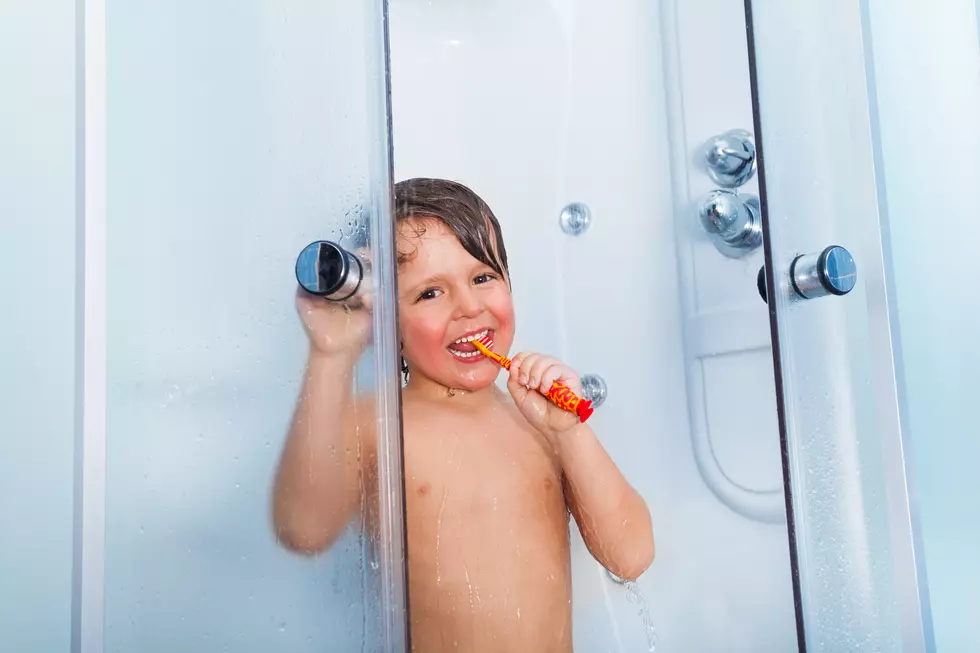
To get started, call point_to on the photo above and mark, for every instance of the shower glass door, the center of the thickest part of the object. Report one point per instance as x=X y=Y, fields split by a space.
x=220 y=139
x=854 y=543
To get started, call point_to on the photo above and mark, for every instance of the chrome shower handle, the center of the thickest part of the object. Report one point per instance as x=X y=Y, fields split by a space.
x=830 y=272
x=730 y=158
x=734 y=222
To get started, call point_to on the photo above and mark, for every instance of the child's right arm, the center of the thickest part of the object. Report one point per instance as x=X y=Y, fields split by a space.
x=330 y=446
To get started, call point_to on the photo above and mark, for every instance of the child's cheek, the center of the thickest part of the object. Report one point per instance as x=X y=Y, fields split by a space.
x=423 y=338
x=503 y=314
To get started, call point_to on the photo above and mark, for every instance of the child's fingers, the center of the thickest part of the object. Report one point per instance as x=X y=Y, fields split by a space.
x=561 y=373
x=520 y=366
x=515 y=365
x=517 y=391
x=364 y=300
x=518 y=359
x=536 y=370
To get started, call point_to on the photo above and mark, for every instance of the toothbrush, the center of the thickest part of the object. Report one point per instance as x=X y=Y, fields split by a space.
x=559 y=393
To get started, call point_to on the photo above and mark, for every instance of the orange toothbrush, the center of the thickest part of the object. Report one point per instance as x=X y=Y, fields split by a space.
x=559 y=393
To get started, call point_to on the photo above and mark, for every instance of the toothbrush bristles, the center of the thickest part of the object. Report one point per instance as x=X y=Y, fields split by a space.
x=487 y=342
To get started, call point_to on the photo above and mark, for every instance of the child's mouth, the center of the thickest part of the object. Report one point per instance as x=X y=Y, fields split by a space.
x=463 y=350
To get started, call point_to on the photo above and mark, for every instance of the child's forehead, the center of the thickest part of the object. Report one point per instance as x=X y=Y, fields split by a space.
x=418 y=236
x=428 y=248
x=423 y=227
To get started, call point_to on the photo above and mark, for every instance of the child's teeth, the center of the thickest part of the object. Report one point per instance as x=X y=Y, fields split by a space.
x=475 y=336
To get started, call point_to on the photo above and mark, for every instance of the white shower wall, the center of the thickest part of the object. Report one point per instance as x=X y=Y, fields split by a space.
x=539 y=104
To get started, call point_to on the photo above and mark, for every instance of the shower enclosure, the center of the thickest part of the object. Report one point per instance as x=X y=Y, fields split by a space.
x=727 y=184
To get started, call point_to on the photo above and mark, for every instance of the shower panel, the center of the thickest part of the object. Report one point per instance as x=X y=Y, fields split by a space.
x=734 y=435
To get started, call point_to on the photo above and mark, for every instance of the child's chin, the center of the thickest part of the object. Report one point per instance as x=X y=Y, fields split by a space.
x=476 y=380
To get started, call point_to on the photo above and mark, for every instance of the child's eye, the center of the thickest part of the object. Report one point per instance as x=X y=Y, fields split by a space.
x=484 y=278
x=428 y=293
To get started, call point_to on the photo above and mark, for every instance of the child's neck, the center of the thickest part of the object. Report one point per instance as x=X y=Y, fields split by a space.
x=435 y=392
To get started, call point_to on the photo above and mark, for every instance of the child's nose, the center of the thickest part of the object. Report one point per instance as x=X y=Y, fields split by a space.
x=468 y=304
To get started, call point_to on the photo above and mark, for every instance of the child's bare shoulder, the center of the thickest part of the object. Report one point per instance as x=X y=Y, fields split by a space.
x=496 y=429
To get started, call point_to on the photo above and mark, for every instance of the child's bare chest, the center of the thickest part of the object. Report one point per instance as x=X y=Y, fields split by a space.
x=487 y=524
x=477 y=466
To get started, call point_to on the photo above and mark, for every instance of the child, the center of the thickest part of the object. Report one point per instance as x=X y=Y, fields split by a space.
x=490 y=476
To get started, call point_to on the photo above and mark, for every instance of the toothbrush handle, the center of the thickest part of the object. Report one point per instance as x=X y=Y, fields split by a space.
x=563 y=397
x=503 y=361
x=559 y=393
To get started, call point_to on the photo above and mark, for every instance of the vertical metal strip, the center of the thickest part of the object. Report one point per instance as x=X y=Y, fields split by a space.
x=90 y=434
x=387 y=351
x=774 y=334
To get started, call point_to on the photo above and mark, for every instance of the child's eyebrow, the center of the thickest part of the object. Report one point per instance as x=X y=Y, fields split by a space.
x=424 y=283
x=436 y=279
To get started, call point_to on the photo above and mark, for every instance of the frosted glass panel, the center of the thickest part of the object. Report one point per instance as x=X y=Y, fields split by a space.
x=238 y=133
x=854 y=544
x=37 y=329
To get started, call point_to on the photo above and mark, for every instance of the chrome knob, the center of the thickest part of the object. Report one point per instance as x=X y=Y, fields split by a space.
x=731 y=158
x=760 y=284
x=831 y=272
x=734 y=222
x=594 y=389
x=575 y=218
x=326 y=269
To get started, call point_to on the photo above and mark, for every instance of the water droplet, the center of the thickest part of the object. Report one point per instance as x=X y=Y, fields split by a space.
x=282 y=626
x=442 y=507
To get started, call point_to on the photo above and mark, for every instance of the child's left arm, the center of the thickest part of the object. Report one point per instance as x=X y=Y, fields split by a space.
x=611 y=515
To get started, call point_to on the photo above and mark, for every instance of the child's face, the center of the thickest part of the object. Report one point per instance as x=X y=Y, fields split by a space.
x=444 y=295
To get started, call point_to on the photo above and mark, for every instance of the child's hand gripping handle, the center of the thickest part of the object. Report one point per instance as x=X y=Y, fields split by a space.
x=559 y=393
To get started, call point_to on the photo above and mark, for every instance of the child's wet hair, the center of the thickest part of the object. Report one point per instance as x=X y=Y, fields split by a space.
x=462 y=211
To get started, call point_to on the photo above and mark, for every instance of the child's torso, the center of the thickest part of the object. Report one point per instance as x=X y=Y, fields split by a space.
x=488 y=535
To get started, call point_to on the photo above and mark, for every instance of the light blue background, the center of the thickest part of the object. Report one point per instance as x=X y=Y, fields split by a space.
x=928 y=98
x=37 y=322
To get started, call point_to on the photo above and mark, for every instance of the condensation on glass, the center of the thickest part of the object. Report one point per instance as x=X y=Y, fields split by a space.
x=238 y=133
x=854 y=539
